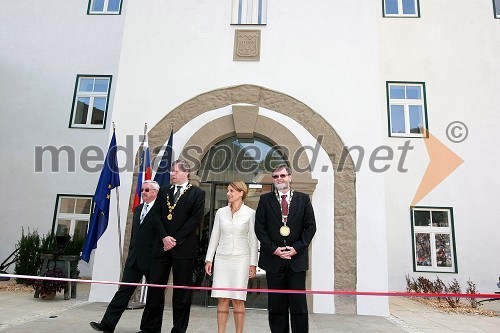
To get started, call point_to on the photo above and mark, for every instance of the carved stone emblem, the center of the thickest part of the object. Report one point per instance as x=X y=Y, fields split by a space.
x=246 y=45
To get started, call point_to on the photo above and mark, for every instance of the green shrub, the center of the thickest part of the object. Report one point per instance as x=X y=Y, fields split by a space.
x=75 y=246
x=48 y=243
x=28 y=256
x=30 y=246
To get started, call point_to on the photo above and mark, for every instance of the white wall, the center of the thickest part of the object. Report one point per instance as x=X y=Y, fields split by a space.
x=313 y=60
x=44 y=46
x=454 y=49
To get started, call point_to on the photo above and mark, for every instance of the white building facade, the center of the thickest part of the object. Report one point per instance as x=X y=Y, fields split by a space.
x=377 y=79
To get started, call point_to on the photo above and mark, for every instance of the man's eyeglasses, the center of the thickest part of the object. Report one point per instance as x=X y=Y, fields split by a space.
x=146 y=189
x=280 y=176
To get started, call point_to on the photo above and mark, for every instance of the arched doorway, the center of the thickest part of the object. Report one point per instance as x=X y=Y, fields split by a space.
x=247 y=123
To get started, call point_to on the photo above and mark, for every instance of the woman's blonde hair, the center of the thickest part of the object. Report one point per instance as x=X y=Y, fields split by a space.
x=240 y=186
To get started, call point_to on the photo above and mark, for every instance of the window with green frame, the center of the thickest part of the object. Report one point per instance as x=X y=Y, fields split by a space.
x=72 y=215
x=406 y=108
x=90 y=101
x=433 y=239
x=401 y=8
x=104 y=7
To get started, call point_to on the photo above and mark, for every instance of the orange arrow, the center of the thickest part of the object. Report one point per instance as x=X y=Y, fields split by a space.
x=442 y=162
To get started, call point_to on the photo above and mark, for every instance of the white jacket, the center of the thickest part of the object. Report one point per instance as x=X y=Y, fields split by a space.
x=234 y=234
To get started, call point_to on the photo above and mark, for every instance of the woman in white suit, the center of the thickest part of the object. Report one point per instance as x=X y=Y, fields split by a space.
x=234 y=244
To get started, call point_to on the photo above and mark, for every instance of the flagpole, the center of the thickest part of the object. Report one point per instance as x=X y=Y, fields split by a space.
x=119 y=221
x=172 y=148
x=119 y=226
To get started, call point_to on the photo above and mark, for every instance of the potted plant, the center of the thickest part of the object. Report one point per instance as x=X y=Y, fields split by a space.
x=48 y=288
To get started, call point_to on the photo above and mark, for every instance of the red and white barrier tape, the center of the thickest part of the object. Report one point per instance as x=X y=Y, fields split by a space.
x=252 y=290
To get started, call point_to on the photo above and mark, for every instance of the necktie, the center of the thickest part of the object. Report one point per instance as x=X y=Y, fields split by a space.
x=144 y=211
x=177 y=192
x=284 y=205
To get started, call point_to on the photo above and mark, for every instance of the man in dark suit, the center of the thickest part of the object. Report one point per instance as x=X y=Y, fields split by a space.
x=285 y=226
x=145 y=226
x=181 y=207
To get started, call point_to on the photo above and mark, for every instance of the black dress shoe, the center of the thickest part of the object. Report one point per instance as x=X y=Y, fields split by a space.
x=101 y=327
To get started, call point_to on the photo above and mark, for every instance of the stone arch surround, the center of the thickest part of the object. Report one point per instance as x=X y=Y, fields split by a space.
x=345 y=242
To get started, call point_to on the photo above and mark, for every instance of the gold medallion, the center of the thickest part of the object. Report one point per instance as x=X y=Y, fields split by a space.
x=169 y=217
x=284 y=231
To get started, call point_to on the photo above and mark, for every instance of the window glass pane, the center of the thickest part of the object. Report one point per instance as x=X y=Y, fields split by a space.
x=443 y=250
x=249 y=12
x=391 y=6
x=86 y=85
x=67 y=205
x=82 y=109
x=114 y=5
x=423 y=249
x=413 y=92
x=497 y=7
x=63 y=227
x=98 y=111
x=98 y=6
x=409 y=7
x=422 y=218
x=397 y=119
x=246 y=159
x=82 y=206
x=80 y=229
x=396 y=92
x=440 y=219
x=416 y=119
x=101 y=85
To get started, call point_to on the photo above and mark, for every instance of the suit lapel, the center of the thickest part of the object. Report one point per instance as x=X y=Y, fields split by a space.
x=294 y=205
x=145 y=218
x=136 y=221
x=276 y=207
x=170 y=193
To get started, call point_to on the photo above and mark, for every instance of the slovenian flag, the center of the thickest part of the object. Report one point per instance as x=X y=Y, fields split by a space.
x=144 y=172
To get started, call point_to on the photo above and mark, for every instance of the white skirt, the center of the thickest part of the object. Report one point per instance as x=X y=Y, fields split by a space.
x=230 y=271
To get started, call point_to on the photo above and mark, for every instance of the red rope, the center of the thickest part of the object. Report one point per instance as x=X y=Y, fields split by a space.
x=253 y=290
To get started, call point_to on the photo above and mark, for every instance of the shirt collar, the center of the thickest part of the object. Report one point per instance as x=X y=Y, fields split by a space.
x=282 y=193
x=183 y=186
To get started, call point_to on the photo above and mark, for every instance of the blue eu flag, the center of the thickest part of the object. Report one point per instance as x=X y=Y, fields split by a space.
x=162 y=176
x=108 y=180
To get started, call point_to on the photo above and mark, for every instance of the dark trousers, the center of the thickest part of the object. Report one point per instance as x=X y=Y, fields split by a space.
x=182 y=270
x=285 y=308
x=120 y=301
